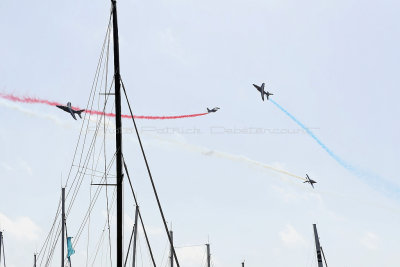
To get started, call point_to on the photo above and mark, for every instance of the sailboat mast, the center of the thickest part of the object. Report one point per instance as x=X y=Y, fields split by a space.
x=1 y=243
x=317 y=246
x=171 y=234
x=118 y=141
x=62 y=225
x=135 y=237
x=208 y=255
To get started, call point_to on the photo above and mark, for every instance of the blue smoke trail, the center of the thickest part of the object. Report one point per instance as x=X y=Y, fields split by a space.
x=377 y=182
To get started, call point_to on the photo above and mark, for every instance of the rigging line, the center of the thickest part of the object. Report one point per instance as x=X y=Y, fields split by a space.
x=92 y=143
x=90 y=199
x=88 y=228
x=129 y=246
x=82 y=152
x=51 y=229
x=85 y=163
x=140 y=213
x=101 y=238
x=93 y=175
x=165 y=250
x=151 y=178
x=53 y=241
x=97 y=193
x=93 y=170
x=99 y=244
x=109 y=231
x=104 y=140
x=108 y=221
x=104 y=229
x=188 y=246
x=323 y=254
x=56 y=237
x=88 y=120
x=140 y=250
x=99 y=62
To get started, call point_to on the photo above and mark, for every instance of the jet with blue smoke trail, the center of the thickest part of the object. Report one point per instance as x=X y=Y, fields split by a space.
x=372 y=179
x=261 y=89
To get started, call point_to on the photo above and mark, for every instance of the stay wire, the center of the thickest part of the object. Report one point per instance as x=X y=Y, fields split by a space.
x=140 y=213
x=97 y=193
x=151 y=178
x=129 y=246
x=104 y=229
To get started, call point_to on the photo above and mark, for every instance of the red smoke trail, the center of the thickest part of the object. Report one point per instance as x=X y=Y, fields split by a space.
x=32 y=100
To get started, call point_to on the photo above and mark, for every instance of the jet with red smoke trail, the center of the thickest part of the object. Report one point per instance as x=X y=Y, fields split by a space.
x=262 y=91
x=32 y=100
x=70 y=110
x=212 y=110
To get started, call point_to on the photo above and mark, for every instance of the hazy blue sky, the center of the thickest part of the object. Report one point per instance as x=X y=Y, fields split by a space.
x=332 y=64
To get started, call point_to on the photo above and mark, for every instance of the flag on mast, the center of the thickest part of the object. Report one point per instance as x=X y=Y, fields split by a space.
x=70 y=249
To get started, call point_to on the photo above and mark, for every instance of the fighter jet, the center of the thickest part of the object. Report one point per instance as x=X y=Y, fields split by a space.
x=212 y=110
x=70 y=110
x=310 y=181
x=261 y=90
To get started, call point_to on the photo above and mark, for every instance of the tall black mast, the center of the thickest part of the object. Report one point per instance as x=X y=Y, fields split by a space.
x=1 y=242
x=118 y=141
x=62 y=225
x=317 y=246
x=208 y=255
x=171 y=234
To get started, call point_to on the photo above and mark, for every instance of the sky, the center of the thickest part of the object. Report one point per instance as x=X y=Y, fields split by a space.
x=331 y=64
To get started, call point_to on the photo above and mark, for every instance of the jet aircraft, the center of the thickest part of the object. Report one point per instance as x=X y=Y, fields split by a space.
x=310 y=181
x=212 y=110
x=262 y=91
x=71 y=111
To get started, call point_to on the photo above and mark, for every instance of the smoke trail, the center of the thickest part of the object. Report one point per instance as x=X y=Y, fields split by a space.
x=378 y=182
x=32 y=113
x=32 y=100
x=224 y=155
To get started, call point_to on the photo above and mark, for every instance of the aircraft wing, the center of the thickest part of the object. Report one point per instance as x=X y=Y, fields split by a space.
x=73 y=115
x=63 y=108
x=257 y=87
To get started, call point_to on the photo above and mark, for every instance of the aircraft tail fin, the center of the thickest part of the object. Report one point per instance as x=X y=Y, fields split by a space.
x=79 y=112
x=208 y=110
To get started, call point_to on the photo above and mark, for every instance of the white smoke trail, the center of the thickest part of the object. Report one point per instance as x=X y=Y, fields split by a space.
x=32 y=113
x=223 y=155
